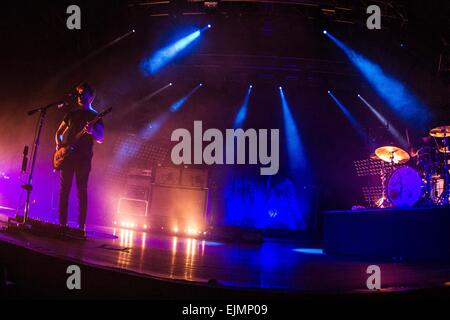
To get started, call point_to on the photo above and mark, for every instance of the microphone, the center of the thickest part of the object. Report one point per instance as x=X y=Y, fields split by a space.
x=61 y=104
x=58 y=104
x=72 y=95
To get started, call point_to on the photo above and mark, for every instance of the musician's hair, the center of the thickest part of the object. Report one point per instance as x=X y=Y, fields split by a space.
x=86 y=87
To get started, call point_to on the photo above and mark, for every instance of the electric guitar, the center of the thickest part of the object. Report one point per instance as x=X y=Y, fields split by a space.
x=64 y=151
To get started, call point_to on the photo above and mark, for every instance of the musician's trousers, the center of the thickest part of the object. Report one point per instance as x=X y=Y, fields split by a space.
x=80 y=167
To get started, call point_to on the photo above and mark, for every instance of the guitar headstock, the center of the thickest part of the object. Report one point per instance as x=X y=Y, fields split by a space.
x=100 y=115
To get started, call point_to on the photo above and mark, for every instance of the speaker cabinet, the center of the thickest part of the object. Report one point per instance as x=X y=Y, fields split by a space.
x=129 y=207
x=168 y=175
x=137 y=185
x=133 y=203
x=195 y=178
x=178 y=208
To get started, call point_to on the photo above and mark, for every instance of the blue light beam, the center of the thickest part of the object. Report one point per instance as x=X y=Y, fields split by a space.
x=163 y=56
x=355 y=124
x=295 y=148
x=177 y=105
x=128 y=148
x=242 y=113
x=153 y=127
x=398 y=97
x=392 y=130
x=148 y=97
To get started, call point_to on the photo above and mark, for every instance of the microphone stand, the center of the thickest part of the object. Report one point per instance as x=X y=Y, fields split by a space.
x=29 y=185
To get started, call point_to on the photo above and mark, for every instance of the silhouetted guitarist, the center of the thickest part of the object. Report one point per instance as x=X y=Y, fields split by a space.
x=79 y=162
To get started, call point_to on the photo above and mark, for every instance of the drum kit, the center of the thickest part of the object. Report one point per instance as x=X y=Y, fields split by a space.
x=425 y=183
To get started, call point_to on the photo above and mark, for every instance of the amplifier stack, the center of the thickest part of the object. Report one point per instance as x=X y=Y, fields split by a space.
x=172 y=199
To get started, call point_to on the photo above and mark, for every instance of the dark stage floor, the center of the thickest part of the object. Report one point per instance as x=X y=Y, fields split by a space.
x=269 y=265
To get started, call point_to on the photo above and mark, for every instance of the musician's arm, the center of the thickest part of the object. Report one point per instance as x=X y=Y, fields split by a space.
x=59 y=135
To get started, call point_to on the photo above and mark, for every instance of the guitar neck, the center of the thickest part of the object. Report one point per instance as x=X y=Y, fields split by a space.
x=82 y=132
x=78 y=136
x=92 y=122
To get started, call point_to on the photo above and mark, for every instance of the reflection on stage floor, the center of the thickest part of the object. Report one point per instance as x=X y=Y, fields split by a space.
x=269 y=265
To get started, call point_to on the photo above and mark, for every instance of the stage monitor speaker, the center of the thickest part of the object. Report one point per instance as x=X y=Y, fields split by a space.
x=178 y=208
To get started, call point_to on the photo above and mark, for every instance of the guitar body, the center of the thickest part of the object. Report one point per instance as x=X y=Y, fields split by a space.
x=60 y=156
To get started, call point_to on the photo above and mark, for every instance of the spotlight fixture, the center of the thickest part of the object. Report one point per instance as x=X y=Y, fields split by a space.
x=201 y=84
x=209 y=26
x=170 y=84
x=210 y=5
x=251 y=86
x=329 y=91
x=324 y=31
x=280 y=88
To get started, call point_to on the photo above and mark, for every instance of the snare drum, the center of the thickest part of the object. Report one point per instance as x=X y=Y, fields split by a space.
x=405 y=187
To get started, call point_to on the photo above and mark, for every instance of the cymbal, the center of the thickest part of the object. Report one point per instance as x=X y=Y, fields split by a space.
x=444 y=149
x=398 y=155
x=440 y=132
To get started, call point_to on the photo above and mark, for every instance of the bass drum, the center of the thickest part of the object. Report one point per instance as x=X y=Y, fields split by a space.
x=405 y=187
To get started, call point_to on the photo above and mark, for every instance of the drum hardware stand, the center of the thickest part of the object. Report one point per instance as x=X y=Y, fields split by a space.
x=435 y=189
x=383 y=202
x=443 y=199
x=19 y=220
x=431 y=191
